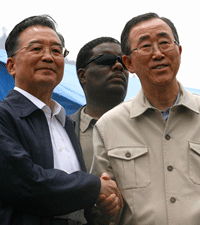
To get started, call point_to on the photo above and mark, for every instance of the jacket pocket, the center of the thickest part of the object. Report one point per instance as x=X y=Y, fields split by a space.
x=194 y=162
x=130 y=165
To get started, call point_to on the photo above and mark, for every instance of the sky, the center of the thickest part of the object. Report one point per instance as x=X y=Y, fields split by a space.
x=81 y=21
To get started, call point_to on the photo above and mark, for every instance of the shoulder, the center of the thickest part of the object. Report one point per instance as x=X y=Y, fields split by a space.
x=118 y=113
x=190 y=100
x=123 y=107
x=7 y=106
x=76 y=116
x=17 y=104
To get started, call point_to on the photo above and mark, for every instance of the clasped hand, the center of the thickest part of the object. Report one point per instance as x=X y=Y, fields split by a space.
x=110 y=199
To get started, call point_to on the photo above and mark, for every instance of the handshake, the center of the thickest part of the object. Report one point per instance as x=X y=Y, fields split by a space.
x=110 y=199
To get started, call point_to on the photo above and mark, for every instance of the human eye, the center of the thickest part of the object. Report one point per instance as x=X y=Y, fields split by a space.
x=165 y=44
x=57 y=50
x=145 y=48
x=147 y=45
x=36 y=48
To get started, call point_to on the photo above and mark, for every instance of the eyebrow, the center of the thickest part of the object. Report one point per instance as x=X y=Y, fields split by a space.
x=143 y=38
x=163 y=34
x=40 y=42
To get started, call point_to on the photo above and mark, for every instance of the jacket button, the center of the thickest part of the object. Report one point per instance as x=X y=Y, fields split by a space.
x=170 y=168
x=167 y=137
x=173 y=200
x=128 y=154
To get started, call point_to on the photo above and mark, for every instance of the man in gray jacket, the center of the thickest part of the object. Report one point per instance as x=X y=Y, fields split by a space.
x=104 y=80
x=151 y=144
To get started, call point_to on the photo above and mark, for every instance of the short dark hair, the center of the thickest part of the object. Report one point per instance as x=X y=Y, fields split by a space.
x=12 y=41
x=125 y=42
x=86 y=53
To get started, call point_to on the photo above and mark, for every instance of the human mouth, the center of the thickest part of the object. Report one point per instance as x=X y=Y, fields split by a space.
x=159 y=66
x=118 y=77
x=46 y=69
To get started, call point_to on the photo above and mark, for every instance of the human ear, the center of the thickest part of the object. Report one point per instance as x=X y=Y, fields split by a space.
x=11 y=66
x=82 y=75
x=127 y=62
x=180 y=49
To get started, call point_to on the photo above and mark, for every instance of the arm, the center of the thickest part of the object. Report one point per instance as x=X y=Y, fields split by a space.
x=101 y=164
x=27 y=184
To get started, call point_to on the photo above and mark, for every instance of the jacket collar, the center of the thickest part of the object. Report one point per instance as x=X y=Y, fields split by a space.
x=140 y=103
x=20 y=104
x=24 y=107
x=188 y=100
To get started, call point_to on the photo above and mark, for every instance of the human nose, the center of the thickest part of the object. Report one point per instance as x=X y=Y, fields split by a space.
x=117 y=66
x=157 y=53
x=47 y=55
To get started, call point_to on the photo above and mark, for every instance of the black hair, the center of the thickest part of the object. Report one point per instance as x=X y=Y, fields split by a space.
x=125 y=42
x=12 y=41
x=86 y=53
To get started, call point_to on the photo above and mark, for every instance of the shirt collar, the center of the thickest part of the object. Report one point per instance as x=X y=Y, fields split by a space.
x=58 y=112
x=188 y=100
x=55 y=109
x=166 y=112
x=32 y=98
x=140 y=103
x=86 y=120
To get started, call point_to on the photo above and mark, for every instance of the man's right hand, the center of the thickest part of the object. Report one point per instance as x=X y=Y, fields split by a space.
x=110 y=199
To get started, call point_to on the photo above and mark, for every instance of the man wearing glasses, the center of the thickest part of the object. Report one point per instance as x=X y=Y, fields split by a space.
x=151 y=144
x=41 y=163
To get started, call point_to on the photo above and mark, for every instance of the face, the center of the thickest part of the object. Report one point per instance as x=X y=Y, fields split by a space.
x=105 y=79
x=159 y=68
x=35 y=72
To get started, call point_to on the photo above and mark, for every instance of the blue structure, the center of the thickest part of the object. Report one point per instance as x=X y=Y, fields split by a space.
x=7 y=82
x=69 y=92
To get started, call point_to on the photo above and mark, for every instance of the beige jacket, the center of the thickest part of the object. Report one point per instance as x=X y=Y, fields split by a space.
x=156 y=164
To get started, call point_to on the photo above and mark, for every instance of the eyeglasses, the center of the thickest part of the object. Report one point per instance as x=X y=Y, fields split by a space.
x=39 y=49
x=106 y=59
x=147 y=49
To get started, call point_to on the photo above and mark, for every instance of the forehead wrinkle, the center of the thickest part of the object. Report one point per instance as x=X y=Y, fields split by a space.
x=107 y=47
x=145 y=37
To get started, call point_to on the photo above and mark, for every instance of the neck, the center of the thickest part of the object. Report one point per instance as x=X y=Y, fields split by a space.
x=97 y=109
x=44 y=97
x=42 y=94
x=162 y=97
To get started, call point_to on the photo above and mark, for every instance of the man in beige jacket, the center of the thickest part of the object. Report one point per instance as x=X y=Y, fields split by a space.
x=151 y=144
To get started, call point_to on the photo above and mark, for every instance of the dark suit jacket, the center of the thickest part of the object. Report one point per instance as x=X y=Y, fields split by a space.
x=32 y=192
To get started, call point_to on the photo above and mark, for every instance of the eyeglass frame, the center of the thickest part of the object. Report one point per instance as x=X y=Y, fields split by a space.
x=66 y=52
x=98 y=56
x=93 y=59
x=175 y=42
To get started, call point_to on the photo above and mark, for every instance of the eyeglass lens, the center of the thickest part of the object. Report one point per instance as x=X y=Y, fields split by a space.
x=109 y=59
